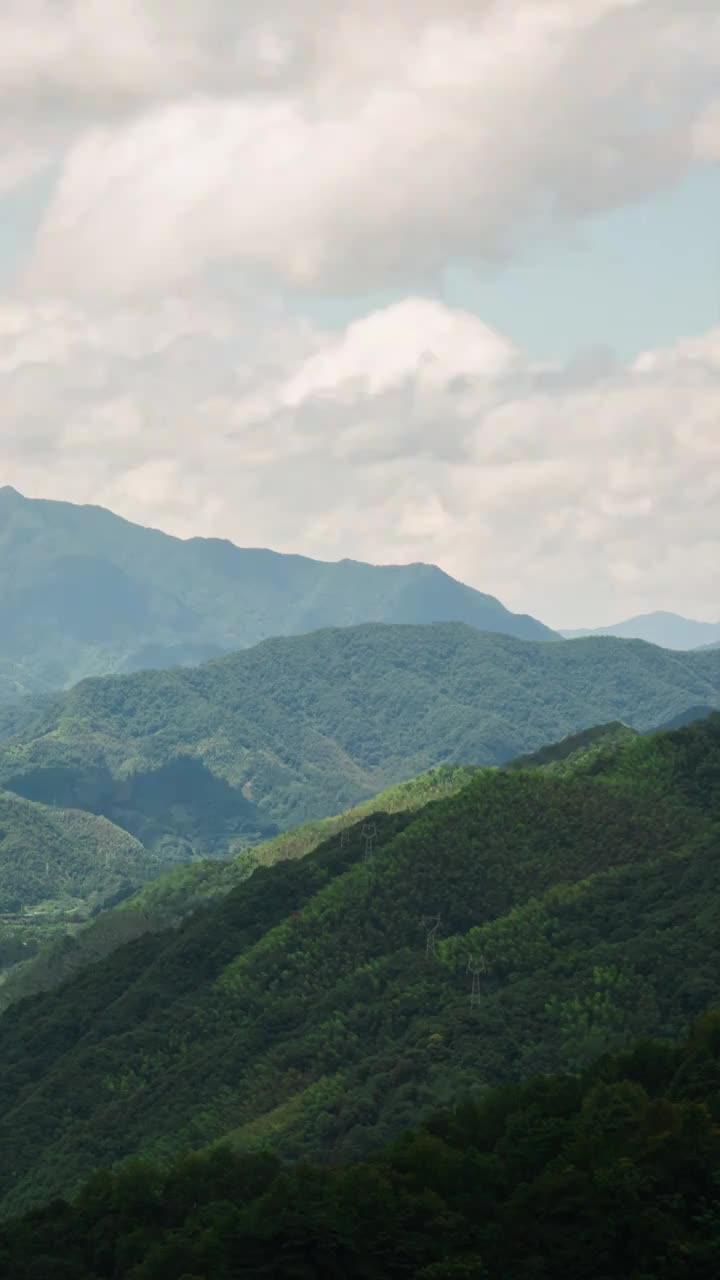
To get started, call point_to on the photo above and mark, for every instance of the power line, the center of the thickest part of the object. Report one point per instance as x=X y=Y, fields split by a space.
x=431 y=925
x=369 y=833
x=476 y=966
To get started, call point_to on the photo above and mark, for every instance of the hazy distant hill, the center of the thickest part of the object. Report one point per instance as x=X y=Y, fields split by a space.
x=84 y=592
x=669 y=630
x=194 y=761
x=690 y=716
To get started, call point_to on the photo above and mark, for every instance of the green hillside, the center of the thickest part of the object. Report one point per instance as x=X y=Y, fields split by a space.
x=205 y=761
x=315 y=1012
x=63 y=858
x=566 y=753
x=85 y=593
x=39 y=951
x=58 y=867
x=610 y=1173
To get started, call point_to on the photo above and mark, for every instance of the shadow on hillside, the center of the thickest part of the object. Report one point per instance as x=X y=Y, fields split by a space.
x=182 y=809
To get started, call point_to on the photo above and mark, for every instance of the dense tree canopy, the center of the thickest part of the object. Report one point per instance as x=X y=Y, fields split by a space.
x=200 y=761
x=611 y=1173
x=325 y=1004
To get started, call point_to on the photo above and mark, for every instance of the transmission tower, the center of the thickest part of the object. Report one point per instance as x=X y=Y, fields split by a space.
x=476 y=966
x=430 y=924
x=369 y=832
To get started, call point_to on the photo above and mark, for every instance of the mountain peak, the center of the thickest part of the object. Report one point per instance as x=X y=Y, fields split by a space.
x=669 y=630
x=86 y=592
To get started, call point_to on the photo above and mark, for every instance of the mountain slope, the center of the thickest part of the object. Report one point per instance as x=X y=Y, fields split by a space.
x=315 y=1010
x=37 y=954
x=669 y=630
x=607 y=1174
x=61 y=857
x=84 y=592
x=207 y=760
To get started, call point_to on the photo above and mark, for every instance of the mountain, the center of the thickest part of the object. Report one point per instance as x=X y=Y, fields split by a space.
x=64 y=857
x=565 y=754
x=40 y=947
x=609 y=1173
x=689 y=716
x=58 y=867
x=206 y=761
x=325 y=1005
x=669 y=630
x=84 y=592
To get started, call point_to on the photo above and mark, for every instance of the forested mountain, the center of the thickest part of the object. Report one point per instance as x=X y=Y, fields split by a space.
x=58 y=867
x=84 y=592
x=203 y=761
x=46 y=944
x=65 y=856
x=690 y=716
x=533 y=920
x=669 y=630
x=613 y=1172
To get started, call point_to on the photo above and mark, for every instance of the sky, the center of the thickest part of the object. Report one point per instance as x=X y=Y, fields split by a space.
x=437 y=280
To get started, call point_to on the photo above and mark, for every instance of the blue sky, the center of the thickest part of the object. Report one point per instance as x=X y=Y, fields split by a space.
x=21 y=211
x=638 y=277
x=634 y=278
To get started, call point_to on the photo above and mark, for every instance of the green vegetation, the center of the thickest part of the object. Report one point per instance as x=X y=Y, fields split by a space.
x=58 y=868
x=307 y=1013
x=613 y=1172
x=566 y=754
x=40 y=951
x=213 y=762
x=86 y=593
x=204 y=762
x=61 y=859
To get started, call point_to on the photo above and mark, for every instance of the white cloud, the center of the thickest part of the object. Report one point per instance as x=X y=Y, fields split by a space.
x=344 y=146
x=415 y=434
x=348 y=147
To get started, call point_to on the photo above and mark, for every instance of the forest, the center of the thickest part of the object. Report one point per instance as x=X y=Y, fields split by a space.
x=613 y=1171
x=201 y=762
x=55 y=938
x=535 y=919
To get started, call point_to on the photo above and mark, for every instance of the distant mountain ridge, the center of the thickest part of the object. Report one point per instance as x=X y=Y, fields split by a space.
x=198 y=761
x=669 y=630
x=84 y=592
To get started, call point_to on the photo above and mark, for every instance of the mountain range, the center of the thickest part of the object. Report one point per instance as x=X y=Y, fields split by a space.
x=84 y=592
x=536 y=918
x=669 y=630
x=500 y=869
x=204 y=761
